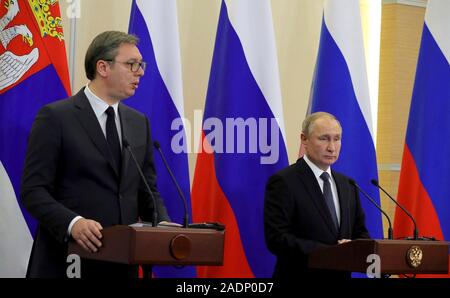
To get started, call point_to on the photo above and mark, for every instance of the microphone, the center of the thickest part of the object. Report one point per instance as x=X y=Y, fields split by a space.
x=416 y=232
x=155 y=215
x=390 y=231
x=180 y=193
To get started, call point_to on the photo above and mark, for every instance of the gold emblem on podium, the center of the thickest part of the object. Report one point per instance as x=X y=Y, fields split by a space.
x=414 y=256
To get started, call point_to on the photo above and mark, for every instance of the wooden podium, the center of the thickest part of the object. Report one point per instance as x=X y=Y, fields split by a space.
x=396 y=256
x=157 y=246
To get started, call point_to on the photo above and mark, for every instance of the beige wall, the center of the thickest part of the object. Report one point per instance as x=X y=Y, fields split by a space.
x=297 y=28
x=96 y=16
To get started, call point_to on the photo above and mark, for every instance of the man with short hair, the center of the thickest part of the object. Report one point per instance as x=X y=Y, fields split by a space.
x=309 y=206
x=77 y=178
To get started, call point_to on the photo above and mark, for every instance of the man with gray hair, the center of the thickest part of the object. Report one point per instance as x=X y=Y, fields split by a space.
x=309 y=206
x=78 y=178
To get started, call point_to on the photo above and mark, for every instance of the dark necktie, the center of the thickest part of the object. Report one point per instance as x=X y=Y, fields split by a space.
x=112 y=137
x=329 y=197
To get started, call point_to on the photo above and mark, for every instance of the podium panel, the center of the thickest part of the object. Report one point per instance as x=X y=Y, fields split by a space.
x=396 y=256
x=157 y=246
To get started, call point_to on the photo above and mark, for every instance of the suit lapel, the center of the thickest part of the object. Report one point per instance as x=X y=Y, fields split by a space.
x=126 y=135
x=89 y=122
x=315 y=193
x=344 y=204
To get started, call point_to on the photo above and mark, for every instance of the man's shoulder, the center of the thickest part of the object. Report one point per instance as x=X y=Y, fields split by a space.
x=58 y=107
x=130 y=112
x=64 y=109
x=341 y=178
x=292 y=169
x=294 y=177
x=65 y=104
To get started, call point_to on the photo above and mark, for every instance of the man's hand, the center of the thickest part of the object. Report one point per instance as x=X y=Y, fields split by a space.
x=86 y=233
x=343 y=241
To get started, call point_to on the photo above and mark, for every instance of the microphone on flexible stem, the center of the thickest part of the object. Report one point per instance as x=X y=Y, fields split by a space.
x=204 y=225
x=416 y=232
x=390 y=231
x=155 y=214
x=183 y=198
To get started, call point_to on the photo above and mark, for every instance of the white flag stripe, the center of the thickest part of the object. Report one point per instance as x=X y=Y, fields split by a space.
x=259 y=48
x=343 y=20
x=162 y=24
x=16 y=240
x=437 y=18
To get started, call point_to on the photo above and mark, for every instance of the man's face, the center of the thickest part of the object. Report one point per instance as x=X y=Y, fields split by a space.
x=121 y=81
x=323 y=144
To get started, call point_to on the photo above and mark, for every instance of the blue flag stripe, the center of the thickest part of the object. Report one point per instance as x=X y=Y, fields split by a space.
x=333 y=92
x=153 y=99
x=16 y=118
x=234 y=93
x=428 y=130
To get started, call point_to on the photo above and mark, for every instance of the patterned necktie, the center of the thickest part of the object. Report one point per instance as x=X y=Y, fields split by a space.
x=329 y=197
x=112 y=137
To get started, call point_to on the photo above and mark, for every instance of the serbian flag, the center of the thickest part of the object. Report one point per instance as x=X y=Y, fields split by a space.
x=33 y=72
x=243 y=140
x=340 y=87
x=424 y=189
x=160 y=97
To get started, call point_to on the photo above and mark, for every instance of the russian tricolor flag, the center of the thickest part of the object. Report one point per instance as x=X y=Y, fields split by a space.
x=236 y=160
x=340 y=87
x=160 y=97
x=424 y=188
x=33 y=72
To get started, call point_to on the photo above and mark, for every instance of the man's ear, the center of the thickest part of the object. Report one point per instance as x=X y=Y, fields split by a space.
x=102 y=68
x=303 y=138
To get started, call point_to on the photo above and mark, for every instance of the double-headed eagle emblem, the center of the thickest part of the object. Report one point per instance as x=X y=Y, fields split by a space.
x=12 y=66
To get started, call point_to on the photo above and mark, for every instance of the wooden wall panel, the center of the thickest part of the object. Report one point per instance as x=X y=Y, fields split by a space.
x=401 y=30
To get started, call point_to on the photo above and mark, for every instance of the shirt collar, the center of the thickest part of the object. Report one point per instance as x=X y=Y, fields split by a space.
x=98 y=105
x=316 y=170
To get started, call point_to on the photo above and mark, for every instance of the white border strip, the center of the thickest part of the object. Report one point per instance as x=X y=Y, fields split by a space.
x=343 y=20
x=16 y=240
x=162 y=23
x=437 y=18
x=252 y=21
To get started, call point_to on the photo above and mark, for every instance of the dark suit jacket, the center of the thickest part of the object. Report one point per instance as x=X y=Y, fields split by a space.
x=69 y=171
x=297 y=220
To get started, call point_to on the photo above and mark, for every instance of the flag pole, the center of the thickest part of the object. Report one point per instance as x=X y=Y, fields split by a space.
x=72 y=50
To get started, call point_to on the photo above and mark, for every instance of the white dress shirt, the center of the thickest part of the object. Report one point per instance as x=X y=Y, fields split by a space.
x=99 y=106
x=317 y=172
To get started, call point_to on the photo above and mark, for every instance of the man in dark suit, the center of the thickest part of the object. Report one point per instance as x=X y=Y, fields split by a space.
x=309 y=206
x=78 y=177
